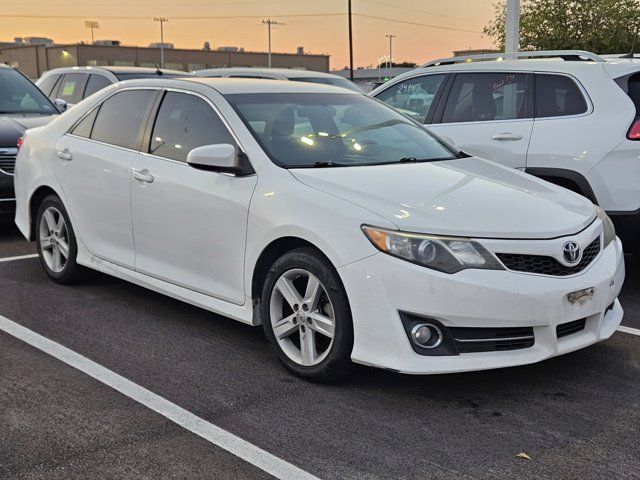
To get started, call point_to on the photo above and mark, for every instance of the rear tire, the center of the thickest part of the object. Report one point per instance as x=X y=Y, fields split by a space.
x=306 y=316
x=56 y=242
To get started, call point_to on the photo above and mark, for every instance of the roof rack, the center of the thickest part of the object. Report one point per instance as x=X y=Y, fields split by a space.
x=567 y=55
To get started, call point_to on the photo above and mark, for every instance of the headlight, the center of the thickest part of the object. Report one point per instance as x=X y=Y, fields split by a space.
x=607 y=225
x=445 y=254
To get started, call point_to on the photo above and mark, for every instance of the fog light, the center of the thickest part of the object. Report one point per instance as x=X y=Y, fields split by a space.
x=426 y=335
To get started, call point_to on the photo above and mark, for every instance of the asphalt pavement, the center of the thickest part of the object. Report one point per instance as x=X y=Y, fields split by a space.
x=575 y=416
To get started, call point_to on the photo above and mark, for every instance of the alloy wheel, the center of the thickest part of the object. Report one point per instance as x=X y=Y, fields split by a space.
x=302 y=317
x=54 y=239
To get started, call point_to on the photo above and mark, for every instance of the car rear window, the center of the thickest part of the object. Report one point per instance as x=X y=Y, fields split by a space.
x=633 y=90
x=557 y=96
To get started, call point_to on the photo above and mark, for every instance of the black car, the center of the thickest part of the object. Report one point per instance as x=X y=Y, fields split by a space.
x=22 y=106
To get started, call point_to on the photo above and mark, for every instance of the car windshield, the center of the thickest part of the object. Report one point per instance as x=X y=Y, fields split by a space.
x=336 y=82
x=19 y=96
x=301 y=130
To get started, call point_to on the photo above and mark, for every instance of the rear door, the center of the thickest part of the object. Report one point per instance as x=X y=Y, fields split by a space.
x=93 y=165
x=96 y=83
x=488 y=115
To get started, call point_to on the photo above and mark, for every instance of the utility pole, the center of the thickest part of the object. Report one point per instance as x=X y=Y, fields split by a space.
x=390 y=36
x=512 y=29
x=350 y=44
x=161 y=20
x=270 y=22
x=92 y=25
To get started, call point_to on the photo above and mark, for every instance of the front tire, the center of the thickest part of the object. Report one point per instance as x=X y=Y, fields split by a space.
x=306 y=316
x=56 y=242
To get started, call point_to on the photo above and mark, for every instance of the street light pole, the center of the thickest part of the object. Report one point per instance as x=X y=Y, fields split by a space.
x=92 y=25
x=512 y=30
x=350 y=44
x=161 y=20
x=390 y=36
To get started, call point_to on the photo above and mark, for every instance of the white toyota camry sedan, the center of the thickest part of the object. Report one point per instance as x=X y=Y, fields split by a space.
x=348 y=231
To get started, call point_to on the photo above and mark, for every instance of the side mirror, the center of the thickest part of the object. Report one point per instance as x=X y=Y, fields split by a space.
x=61 y=105
x=219 y=158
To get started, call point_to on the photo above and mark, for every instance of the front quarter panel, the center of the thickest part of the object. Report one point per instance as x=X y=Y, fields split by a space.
x=283 y=207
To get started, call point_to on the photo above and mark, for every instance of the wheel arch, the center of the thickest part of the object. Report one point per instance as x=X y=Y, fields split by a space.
x=569 y=179
x=274 y=250
x=35 y=200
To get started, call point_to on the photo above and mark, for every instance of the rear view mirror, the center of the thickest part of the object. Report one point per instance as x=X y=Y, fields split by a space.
x=222 y=158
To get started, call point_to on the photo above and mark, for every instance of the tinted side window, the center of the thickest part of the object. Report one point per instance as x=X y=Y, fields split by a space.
x=120 y=118
x=478 y=97
x=185 y=122
x=95 y=84
x=71 y=87
x=414 y=96
x=557 y=95
x=48 y=83
x=83 y=129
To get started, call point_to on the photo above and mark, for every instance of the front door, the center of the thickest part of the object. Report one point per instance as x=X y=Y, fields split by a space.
x=190 y=225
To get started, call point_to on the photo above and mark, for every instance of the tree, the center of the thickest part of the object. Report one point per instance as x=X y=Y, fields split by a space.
x=396 y=64
x=601 y=26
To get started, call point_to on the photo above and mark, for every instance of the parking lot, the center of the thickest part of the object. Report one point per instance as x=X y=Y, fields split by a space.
x=576 y=416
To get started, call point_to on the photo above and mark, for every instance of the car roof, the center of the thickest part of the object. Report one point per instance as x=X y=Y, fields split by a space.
x=116 y=70
x=228 y=86
x=285 y=72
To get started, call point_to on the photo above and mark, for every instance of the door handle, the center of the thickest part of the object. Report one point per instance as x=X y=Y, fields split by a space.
x=65 y=154
x=143 y=175
x=507 y=136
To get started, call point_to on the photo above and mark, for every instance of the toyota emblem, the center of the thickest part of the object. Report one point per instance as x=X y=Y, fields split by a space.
x=571 y=252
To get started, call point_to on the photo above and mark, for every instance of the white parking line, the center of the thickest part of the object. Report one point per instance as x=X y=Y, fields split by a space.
x=632 y=331
x=246 y=451
x=21 y=257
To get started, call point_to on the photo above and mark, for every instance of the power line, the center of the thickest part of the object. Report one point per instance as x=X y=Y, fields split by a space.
x=396 y=20
x=172 y=17
x=396 y=7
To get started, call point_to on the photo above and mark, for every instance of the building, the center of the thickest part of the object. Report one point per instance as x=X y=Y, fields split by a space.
x=27 y=41
x=34 y=60
x=368 y=78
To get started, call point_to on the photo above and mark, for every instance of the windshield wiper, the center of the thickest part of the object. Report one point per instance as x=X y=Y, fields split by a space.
x=328 y=164
x=409 y=160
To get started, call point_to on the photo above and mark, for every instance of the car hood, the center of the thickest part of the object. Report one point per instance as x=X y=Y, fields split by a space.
x=462 y=197
x=12 y=127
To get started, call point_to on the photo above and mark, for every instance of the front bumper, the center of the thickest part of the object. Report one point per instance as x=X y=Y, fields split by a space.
x=380 y=286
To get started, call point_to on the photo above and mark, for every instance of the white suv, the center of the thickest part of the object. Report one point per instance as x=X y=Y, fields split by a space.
x=569 y=117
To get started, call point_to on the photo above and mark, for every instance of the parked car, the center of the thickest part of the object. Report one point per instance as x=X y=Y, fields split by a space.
x=306 y=76
x=343 y=227
x=71 y=85
x=22 y=106
x=573 y=122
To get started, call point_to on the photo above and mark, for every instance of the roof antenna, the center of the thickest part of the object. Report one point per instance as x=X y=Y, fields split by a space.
x=160 y=72
x=633 y=44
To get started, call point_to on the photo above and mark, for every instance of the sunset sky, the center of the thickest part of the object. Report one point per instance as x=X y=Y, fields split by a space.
x=323 y=29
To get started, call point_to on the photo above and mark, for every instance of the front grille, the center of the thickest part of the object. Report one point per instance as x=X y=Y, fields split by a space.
x=544 y=265
x=470 y=340
x=570 y=328
x=8 y=164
